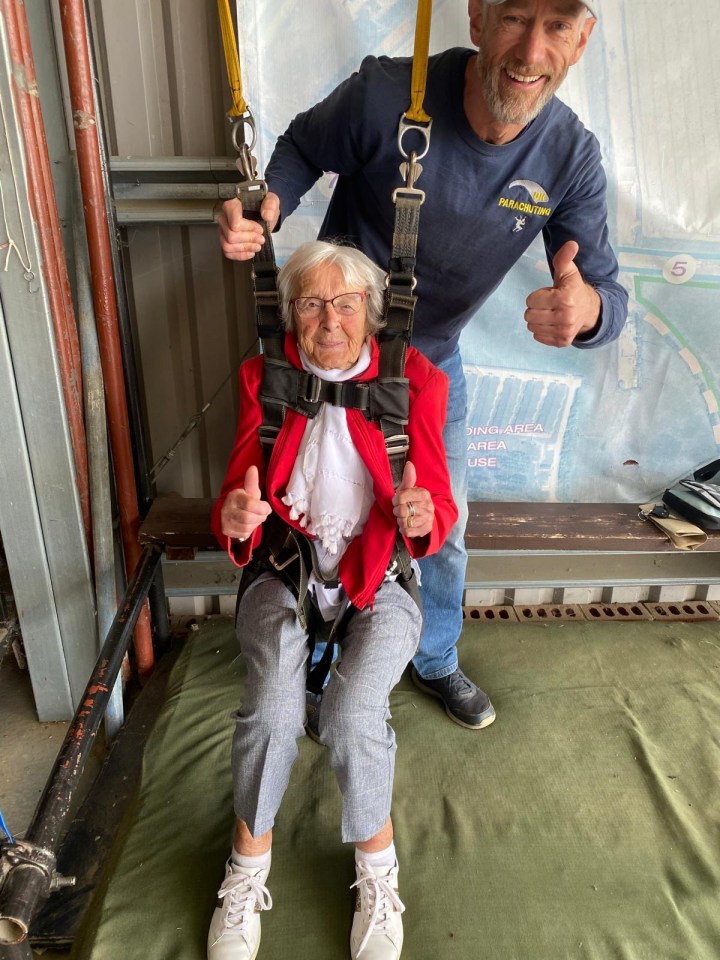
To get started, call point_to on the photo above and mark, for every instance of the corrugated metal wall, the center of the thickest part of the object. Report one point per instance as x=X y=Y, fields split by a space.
x=165 y=94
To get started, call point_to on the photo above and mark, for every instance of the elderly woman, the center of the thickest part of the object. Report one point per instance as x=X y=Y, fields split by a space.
x=329 y=481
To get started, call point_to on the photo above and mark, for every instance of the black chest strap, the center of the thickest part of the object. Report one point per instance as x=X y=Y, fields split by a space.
x=385 y=400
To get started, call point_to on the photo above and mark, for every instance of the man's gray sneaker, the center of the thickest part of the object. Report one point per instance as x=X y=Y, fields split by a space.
x=464 y=702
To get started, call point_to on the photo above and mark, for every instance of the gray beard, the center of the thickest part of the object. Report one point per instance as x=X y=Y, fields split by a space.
x=510 y=108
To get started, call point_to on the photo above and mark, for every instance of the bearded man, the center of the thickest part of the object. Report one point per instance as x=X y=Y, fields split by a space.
x=507 y=161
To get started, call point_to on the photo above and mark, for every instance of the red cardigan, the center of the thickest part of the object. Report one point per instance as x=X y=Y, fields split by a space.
x=364 y=563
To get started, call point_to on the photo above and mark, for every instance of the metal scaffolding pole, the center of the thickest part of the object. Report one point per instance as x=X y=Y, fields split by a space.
x=27 y=866
x=77 y=53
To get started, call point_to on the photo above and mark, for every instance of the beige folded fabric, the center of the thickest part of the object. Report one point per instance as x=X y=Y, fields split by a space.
x=681 y=533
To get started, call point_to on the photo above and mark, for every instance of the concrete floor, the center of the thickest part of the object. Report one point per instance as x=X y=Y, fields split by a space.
x=27 y=747
x=28 y=750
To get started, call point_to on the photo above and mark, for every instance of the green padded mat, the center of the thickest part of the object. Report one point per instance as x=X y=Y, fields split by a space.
x=584 y=824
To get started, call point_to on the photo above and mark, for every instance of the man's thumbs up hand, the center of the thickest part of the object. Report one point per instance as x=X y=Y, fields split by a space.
x=556 y=315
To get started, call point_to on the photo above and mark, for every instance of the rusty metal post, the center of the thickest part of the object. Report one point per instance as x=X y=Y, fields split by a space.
x=76 y=42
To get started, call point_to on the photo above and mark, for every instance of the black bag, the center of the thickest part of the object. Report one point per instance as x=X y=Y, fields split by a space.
x=697 y=498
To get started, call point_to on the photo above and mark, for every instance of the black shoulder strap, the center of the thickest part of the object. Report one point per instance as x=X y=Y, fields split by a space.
x=400 y=302
x=251 y=191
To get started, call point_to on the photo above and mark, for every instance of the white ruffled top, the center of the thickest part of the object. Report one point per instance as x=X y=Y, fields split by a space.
x=330 y=489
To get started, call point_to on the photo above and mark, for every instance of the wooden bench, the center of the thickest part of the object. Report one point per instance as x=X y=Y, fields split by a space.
x=511 y=546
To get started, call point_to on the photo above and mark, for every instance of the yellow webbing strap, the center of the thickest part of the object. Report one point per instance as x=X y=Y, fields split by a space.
x=232 y=59
x=420 y=63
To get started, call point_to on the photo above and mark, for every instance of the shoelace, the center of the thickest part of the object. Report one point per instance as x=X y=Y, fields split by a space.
x=383 y=898
x=244 y=892
x=459 y=684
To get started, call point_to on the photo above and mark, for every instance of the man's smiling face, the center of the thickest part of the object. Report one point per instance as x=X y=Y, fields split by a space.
x=525 y=49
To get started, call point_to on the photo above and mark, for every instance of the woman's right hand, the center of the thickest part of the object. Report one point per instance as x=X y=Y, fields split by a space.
x=241 y=238
x=244 y=509
x=413 y=506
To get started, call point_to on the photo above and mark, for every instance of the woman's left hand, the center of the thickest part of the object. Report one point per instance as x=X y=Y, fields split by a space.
x=413 y=506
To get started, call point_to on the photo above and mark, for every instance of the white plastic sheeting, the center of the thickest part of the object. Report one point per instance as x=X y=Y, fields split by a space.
x=617 y=423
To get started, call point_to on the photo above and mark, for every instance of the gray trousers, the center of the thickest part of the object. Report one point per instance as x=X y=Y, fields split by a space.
x=378 y=645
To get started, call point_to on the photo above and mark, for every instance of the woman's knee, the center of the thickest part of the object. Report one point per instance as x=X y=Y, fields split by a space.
x=273 y=643
x=349 y=708
x=272 y=717
x=274 y=692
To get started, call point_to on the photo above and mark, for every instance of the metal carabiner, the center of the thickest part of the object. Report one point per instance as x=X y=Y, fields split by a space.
x=246 y=163
x=238 y=125
x=424 y=131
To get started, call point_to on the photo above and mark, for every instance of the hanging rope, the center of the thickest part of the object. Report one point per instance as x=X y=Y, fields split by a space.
x=415 y=118
x=251 y=191
x=193 y=422
x=232 y=60
x=416 y=113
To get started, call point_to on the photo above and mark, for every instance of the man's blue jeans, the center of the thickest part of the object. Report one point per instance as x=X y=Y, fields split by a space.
x=443 y=574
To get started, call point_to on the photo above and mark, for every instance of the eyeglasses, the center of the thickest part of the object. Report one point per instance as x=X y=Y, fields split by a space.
x=346 y=304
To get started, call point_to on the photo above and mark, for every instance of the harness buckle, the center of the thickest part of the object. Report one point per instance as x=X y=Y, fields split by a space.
x=334 y=394
x=251 y=191
x=314 y=385
x=408 y=193
x=397 y=444
x=281 y=564
x=268 y=434
x=267 y=298
x=397 y=280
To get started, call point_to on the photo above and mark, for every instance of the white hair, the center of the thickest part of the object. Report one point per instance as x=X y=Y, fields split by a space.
x=358 y=272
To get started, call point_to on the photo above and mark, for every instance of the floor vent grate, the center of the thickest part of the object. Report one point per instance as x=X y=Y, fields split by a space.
x=500 y=612
x=548 y=612
x=682 y=610
x=615 y=611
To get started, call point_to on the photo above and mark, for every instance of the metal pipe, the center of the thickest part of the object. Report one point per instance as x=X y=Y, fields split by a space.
x=98 y=461
x=157 y=599
x=28 y=865
x=137 y=425
x=75 y=39
x=41 y=195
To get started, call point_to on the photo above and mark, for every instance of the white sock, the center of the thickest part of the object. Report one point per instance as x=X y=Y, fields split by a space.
x=381 y=858
x=251 y=863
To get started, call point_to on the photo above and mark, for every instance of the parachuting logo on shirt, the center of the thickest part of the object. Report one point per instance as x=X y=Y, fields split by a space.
x=534 y=206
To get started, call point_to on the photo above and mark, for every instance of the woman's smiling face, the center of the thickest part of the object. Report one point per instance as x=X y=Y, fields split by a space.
x=330 y=340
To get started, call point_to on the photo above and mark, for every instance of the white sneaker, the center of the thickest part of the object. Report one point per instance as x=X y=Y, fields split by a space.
x=377 y=930
x=235 y=925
